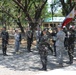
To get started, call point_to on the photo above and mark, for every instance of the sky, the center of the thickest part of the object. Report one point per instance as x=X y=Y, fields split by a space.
x=50 y=2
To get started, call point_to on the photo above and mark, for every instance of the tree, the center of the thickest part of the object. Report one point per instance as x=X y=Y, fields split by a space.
x=12 y=12
x=54 y=7
x=58 y=13
x=31 y=6
x=23 y=10
x=35 y=7
x=67 y=6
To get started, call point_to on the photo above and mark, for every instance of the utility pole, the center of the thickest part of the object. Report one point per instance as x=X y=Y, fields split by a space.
x=52 y=5
x=52 y=8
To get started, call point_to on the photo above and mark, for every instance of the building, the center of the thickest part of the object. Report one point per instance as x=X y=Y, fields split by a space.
x=49 y=22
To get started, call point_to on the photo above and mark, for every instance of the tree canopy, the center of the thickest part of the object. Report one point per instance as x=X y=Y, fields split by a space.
x=23 y=10
x=32 y=12
x=67 y=6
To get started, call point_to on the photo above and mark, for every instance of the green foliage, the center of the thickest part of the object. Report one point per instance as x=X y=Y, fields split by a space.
x=10 y=10
x=67 y=6
x=45 y=13
x=58 y=14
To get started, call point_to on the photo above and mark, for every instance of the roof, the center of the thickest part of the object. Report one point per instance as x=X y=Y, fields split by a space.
x=55 y=19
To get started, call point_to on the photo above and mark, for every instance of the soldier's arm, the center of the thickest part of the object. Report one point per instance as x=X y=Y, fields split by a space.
x=7 y=37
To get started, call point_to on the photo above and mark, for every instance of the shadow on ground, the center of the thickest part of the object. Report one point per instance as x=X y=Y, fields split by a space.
x=25 y=60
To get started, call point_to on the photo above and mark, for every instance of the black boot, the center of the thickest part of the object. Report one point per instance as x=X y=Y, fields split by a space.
x=44 y=68
x=70 y=60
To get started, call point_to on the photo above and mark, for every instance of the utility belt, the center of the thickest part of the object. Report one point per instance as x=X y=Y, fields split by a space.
x=72 y=44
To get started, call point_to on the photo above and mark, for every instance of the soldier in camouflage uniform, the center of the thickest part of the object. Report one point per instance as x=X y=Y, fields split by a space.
x=66 y=37
x=43 y=47
x=5 y=37
x=29 y=35
x=54 y=41
x=71 y=45
x=60 y=45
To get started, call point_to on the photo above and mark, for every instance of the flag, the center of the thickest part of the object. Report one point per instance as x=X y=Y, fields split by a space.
x=69 y=18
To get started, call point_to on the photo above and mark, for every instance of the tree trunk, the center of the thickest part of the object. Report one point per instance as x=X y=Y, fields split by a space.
x=20 y=26
x=32 y=27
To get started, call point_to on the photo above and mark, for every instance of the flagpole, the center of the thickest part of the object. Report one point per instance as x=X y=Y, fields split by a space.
x=52 y=5
x=52 y=12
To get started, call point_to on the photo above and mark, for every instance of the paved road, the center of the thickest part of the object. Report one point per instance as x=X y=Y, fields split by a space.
x=29 y=63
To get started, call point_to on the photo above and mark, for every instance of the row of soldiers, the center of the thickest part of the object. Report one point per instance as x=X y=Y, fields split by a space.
x=69 y=42
x=62 y=38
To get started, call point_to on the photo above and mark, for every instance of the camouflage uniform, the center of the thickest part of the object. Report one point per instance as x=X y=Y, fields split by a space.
x=60 y=46
x=29 y=40
x=54 y=41
x=71 y=45
x=43 y=46
x=66 y=38
x=5 y=37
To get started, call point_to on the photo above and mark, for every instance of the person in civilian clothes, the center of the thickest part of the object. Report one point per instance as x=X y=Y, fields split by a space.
x=17 y=41
x=60 y=45
x=5 y=38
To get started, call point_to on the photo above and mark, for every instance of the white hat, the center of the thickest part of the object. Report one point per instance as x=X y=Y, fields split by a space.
x=64 y=26
x=70 y=26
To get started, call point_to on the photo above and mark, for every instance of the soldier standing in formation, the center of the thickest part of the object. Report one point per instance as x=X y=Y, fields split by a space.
x=49 y=36
x=43 y=47
x=5 y=38
x=38 y=35
x=54 y=41
x=29 y=35
x=66 y=37
x=71 y=39
x=60 y=45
